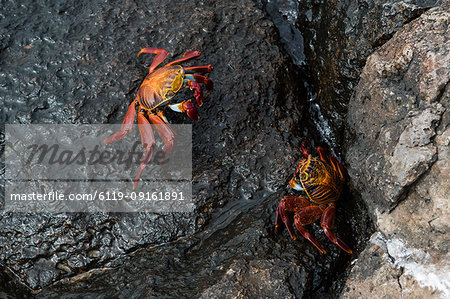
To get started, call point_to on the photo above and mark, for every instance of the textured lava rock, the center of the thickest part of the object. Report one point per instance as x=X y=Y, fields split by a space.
x=260 y=279
x=399 y=160
x=213 y=267
x=80 y=66
x=339 y=36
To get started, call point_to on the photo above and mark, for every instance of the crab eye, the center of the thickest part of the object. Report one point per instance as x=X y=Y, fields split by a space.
x=169 y=94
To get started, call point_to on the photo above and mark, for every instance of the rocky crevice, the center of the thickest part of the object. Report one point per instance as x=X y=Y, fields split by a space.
x=339 y=37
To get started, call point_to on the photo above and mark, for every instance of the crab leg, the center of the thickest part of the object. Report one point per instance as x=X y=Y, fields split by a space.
x=324 y=154
x=186 y=56
x=161 y=54
x=283 y=217
x=161 y=115
x=289 y=204
x=327 y=223
x=187 y=107
x=305 y=150
x=200 y=68
x=147 y=140
x=306 y=216
x=126 y=125
x=164 y=131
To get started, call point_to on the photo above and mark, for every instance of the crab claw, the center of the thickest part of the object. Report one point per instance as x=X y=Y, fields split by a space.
x=293 y=183
x=198 y=91
x=188 y=107
x=208 y=82
x=191 y=111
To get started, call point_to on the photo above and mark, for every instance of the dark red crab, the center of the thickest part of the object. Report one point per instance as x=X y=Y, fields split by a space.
x=322 y=179
x=156 y=92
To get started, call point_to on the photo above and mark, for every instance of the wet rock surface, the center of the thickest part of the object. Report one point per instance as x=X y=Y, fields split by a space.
x=80 y=66
x=264 y=278
x=242 y=257
x=398 y=158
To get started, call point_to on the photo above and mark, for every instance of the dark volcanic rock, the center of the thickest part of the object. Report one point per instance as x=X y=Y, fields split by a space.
x=213 y=267
x=76 y=63
x=399 y=160
x=259 y=278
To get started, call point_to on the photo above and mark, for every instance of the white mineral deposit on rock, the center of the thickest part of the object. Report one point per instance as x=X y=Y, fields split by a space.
x=417 y=263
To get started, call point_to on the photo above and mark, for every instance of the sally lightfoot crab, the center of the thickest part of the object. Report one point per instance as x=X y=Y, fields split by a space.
x=156 y=92
x=322 y=180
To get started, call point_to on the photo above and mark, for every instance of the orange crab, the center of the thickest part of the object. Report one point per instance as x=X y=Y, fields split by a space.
x=322 y=180
x=156 y=92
